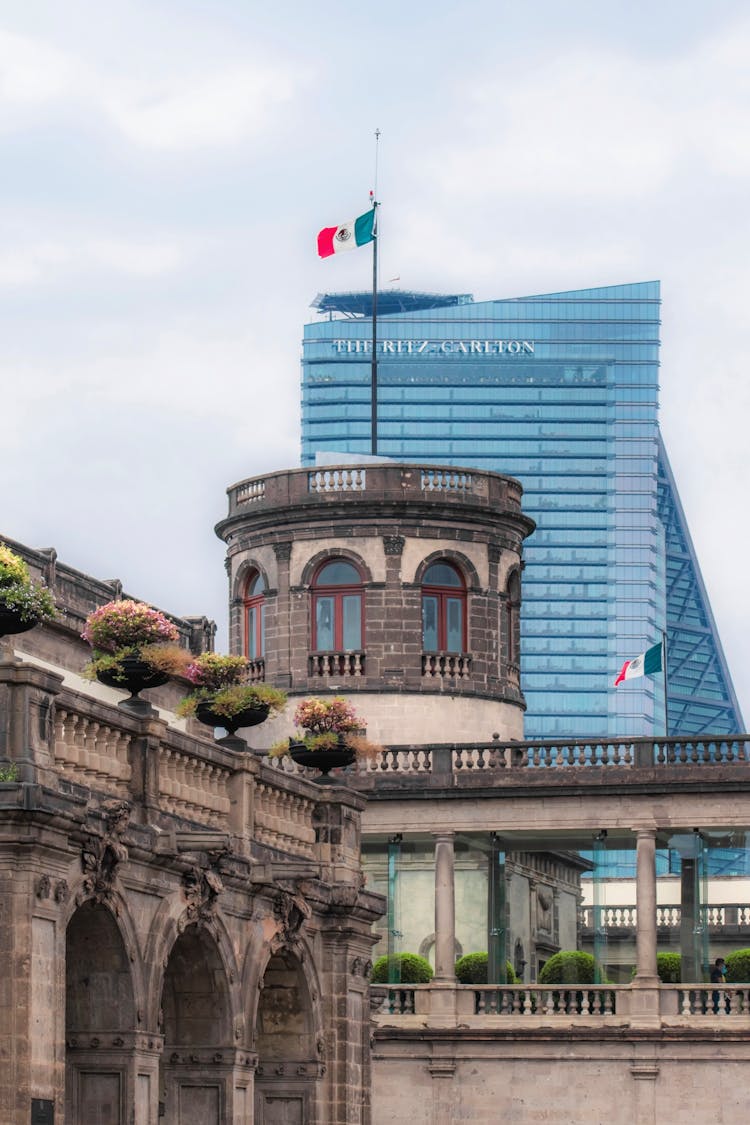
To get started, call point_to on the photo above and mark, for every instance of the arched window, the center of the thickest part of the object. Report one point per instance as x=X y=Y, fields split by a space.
x=443 y=609
x=512 y=609
x=337 y=619
x=255 y=617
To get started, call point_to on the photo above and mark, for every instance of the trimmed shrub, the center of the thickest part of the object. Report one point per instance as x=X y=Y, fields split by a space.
x=414 y=969
x=570 y=966
x=738 y=967
x=669 y=967
x=472 y=969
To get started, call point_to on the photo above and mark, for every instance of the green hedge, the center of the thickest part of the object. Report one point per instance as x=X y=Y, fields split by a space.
x=738 y=967
x=414 y=969
x=472 y=969
x=570 y=966
x=669 y=967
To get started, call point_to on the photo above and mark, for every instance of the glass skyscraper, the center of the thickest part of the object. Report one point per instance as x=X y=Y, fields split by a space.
x=561 y=391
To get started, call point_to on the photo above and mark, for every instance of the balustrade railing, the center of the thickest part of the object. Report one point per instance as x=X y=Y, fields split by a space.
x=250 y=491
x=193 y=788
x=667 y=917
x=327 y=664
x=446 y=665
x=574 y=759
x=337 y=480
x=708 y=1002
x=446 y=480
x=531 y=1000
x=283 y=820
x=92 y=753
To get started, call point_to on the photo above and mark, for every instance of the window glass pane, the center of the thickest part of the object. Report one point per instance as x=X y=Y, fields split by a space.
x=252 y=632
x=454 y=625
x=352 y=621
x=441 y=574
x=256 y=585
x=262 y=637
x=429 y=624
x=338 y=573
x=324 y=624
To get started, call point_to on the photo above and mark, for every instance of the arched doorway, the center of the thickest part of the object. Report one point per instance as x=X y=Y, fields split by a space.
x=198 y=1058
x=289 y=1056
x=100 y=1021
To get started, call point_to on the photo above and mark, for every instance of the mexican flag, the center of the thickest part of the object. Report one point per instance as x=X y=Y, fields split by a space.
x=644 y=665
x=347 y=236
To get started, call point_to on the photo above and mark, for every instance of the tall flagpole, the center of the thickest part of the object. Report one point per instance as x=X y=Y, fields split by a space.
x=374 y=378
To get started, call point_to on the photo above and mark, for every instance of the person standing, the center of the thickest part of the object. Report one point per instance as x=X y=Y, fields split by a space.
x=719 y=976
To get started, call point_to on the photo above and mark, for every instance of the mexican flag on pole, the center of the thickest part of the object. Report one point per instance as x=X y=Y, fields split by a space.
x=347 y=235
x=646 y=664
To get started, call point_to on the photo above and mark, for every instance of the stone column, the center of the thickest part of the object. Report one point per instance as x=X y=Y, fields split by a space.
x=645 y=897
x=644 y=998
x=445 y=908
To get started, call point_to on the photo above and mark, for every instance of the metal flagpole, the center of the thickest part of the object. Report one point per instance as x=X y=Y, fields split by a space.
x=666 y=697
x=374 y=378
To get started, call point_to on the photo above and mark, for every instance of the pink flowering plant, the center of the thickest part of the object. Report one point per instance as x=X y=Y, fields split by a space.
x=127 y=623
x=127 y=628
x=326 y=725
x=222 y=682
x=19 y=594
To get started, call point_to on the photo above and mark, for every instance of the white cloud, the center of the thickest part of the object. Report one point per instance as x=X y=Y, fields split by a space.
x=190 y=106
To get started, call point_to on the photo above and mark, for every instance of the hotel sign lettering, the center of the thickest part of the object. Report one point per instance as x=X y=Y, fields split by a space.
x=435 y=347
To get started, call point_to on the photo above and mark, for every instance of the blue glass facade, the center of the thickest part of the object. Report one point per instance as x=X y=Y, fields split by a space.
x=561 y=391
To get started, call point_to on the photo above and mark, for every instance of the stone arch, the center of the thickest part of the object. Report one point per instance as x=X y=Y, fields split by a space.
x=459 y=560
x=256 y=965
x=288 y=1037
x=329 y=553
x=247 y=567
x=171 y=920
x=101 y=1018
x=200 y=1073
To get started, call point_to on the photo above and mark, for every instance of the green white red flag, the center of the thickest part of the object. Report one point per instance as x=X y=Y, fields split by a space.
x=646 y=664
x=347 y=235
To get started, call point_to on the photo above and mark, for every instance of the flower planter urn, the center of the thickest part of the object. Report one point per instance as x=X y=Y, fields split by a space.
x=323 y=760
x=134 y=675
x=11 y=622
x=250 y=717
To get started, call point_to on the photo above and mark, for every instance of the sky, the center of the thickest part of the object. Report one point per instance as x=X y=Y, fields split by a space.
x=166 y=166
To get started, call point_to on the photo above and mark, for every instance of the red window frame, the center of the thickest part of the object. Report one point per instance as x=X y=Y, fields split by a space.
x=337 y=593
x=256 y=602
x=442 y=595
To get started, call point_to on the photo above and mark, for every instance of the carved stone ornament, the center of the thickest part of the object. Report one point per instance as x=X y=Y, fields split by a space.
x=101 y=856
x=291 y=911
x=282 y=551
x=61 y=891
x=43 y=886
x=201 y=887
x=544 y=899
x=394 y=544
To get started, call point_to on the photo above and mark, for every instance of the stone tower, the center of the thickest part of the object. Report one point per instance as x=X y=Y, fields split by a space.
x=397 y=585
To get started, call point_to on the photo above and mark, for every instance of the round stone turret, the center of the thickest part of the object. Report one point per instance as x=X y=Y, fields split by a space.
x=396 y=585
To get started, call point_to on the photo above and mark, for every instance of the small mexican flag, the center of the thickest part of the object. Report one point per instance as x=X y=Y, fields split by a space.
x=347 y=236
x=644 y=665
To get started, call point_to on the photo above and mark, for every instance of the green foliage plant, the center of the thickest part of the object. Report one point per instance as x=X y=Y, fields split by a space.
x=472 y=969
x=221 y=681
x=570 y=966
x=19 y=594
x=738 y=967
x=414 y=969
x=8 y=772
x=669 y=967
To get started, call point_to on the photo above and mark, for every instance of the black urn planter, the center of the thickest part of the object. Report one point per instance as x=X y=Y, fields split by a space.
x=250 y=717
x=11 y=622
x=134 y=675
x=323 y=760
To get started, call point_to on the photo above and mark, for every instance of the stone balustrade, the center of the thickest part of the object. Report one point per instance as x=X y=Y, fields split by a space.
x=667 y=917
x=570 y=1005
x=77 y=744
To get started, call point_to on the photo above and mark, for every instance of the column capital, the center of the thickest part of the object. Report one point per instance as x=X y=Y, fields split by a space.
x=447 y=835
